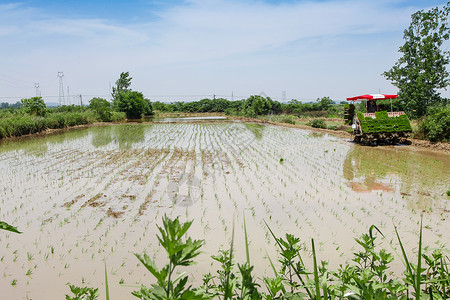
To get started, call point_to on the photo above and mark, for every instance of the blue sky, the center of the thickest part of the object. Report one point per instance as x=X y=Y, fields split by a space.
x=190 y=49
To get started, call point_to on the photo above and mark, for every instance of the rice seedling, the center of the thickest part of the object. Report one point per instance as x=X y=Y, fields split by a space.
x=311 y=193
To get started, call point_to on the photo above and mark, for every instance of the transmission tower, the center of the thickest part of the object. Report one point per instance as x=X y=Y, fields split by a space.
x=284 y=96
x=38 y=93
x=69 y=100
x=61 y=88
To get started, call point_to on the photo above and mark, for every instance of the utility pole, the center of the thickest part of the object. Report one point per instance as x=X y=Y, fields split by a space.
x=81 y=100
x=284 y=96
x=61 y=88
x=232 y=96
x=38 y=93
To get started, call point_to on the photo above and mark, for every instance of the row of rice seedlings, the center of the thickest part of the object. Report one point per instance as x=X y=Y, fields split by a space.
x=310 y=207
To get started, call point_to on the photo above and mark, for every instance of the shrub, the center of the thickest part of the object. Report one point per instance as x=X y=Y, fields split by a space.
x=317 y=123
x=117 y=116
x=436 y=127
x=21 y=125
x=132 y=103
x=288 y=119
x=313 y=114
x=332 y=127
x=102 y=108
x=34 y=106
x=69 y=108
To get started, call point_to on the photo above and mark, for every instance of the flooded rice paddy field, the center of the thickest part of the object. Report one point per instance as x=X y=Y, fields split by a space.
x=97 y=193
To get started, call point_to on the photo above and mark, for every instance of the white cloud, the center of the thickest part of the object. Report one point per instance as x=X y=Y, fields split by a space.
x=210 y=46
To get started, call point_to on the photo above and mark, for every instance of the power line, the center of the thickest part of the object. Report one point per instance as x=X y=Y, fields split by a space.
x=14 y=80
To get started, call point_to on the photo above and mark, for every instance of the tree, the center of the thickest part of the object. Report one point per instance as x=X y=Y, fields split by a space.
x=421 y=71
x=102 y=108
x=122 y=85
x=132 y=103
x=325 y=103
x=34 y=106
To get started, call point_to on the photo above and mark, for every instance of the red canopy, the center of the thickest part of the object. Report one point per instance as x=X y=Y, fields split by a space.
x=372 y=96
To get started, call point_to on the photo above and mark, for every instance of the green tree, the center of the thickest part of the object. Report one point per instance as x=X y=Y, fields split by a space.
x=102 y=108
x=132 y=103
x=257 y=105
x=149 y=108
x=160 y=106
x=122 y=85
x=325 y=103
x=421 y=71
x=34 y=106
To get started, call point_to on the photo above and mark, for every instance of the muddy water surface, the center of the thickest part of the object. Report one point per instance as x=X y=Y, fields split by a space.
x=98 y=193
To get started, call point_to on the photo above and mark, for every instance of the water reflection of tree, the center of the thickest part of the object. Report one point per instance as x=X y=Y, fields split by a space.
x=418 y=173
x=39 y=144
x=67 y=135
x=127 y=135
x=256 y=129
x=35 y=146
x=101 y=136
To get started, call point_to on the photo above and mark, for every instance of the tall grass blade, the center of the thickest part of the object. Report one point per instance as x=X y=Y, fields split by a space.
x=442 y=272
x=106 y=283
x=247 y=254
x=227 y=282
x=275 y=271
x=419 y=263
x=408 y=266
x=316 y=273
x=295 y=269
x=272 y=265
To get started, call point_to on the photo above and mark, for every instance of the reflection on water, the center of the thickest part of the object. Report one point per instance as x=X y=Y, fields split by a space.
x=127 y=135
x=422 y=176
x=256 y=129
x=97 y=191
x=38 y=145
x=101 y=136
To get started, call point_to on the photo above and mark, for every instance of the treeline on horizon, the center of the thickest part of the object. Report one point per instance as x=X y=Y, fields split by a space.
x=253 y=106
x=32 y=115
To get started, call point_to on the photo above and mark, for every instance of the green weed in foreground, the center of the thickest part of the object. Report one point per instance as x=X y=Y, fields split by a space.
x=7 y=227
x=82 y=293
x=366 y=277
x=180 y=252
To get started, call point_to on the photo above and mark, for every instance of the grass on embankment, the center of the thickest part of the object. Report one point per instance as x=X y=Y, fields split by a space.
x=14 y=125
